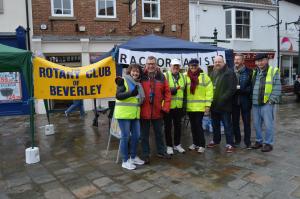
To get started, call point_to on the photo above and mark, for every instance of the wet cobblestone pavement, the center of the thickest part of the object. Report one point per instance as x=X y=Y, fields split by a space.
x=73 y=164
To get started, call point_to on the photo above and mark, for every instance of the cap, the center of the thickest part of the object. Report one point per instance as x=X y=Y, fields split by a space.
x=260 y=56
x=175 y=62
x=194 y=62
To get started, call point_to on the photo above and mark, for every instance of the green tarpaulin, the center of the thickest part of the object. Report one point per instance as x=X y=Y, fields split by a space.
x=17 y=60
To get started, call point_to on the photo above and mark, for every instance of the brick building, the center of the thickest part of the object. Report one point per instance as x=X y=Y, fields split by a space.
x=74 y=32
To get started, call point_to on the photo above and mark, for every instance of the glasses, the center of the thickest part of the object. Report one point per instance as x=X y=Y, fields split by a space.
x=150 y=63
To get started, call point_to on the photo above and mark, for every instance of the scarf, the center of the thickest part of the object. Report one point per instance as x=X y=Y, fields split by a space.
x=194 y=80
x=141 y=95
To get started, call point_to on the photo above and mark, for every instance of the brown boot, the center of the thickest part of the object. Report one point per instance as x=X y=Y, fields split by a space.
x=257 y=145
x=267 y=148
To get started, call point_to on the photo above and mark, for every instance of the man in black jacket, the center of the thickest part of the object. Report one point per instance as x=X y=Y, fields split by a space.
x=242 y=101
x=225 y=83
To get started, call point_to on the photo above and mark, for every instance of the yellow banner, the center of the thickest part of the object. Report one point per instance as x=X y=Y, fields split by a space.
x=53 y=81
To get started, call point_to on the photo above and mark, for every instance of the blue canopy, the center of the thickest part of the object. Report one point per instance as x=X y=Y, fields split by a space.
x=156 y=43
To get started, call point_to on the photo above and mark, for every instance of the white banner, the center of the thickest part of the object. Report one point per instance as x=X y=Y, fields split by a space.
x=164 y=59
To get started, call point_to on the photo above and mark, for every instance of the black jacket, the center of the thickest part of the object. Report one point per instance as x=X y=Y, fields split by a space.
x=225 y=83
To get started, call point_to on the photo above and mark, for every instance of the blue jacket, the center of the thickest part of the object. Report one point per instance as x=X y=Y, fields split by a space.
x=242 y=96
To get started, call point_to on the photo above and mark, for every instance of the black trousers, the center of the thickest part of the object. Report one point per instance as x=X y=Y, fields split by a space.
x=246 y=117
x=196 y=127
x=174 y=116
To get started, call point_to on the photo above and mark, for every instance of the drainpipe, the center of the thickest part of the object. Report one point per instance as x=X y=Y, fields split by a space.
x=27 y=28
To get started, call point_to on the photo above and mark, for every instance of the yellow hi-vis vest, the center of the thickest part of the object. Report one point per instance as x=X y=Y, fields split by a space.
x=203 y=94
x=128 y=108
x=176 y=100
x=269 y=82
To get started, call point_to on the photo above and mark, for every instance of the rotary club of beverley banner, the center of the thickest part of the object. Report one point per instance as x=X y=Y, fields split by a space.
x=53 y=81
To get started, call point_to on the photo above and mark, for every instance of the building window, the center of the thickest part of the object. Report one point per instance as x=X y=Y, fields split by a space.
x=62 y=8
x=238 y=24
x=151 y=9
x=106 y=8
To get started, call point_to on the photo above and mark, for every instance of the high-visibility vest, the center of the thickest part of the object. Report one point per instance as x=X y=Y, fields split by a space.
x=203 y=95
x=128 y=108
x=176 y=100
x=269 y=82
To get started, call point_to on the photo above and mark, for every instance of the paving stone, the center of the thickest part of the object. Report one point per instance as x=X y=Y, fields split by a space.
x=277 y=195
x=86 y=191
x=196 y=195
x=102 y=181
x=3 y=196
x=258 y=178
x=237 y=184
x=59 y=193
x=130 y=195
x=296 y=193
x=51 y=185
x=113 y=188
x=94 y=175
x=20 y=189
x=17 y=179
x=155 y=192
x=181 y=189
x=140 y=185
x=255 y=190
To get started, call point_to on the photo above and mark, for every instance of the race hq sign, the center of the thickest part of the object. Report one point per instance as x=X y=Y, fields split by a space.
x=164 y=59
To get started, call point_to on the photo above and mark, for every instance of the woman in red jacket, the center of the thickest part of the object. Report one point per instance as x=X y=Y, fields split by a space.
x=157 y=100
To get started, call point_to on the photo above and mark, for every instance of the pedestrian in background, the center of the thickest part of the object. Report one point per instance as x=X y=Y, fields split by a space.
x=266 y=93
x=225 y=83
x=77 y=104
x=157 y=102
x=177 y=85
x=130 y=95
x=242 y=102
x=199 y=97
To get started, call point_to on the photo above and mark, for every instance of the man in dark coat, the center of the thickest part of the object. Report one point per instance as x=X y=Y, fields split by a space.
x=225 y=83
x=242 y=101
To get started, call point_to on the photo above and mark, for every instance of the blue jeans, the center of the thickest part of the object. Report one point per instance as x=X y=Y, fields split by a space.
x=225 y=117
x=264 y=114
x=129 y=129
x=157 y=126
x=76 y=104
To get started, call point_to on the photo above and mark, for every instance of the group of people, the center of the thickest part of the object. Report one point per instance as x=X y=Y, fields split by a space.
x=148 y=97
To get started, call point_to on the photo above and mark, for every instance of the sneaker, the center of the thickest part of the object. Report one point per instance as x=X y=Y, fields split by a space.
x=193 y=147
x=248 y=147
x=212 y=144
x=229 y=149
x=164 y=156
x=128 y=165
x=179 y=148
x=137 y=161
x=257 y=145
x=267 y=148
x=201 y=150
x=66 y=114
x=170 y=150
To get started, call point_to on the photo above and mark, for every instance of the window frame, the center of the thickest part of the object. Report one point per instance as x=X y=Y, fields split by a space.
x=151 y=2
x=107 y=16
x=62 y=15
x=233 y=24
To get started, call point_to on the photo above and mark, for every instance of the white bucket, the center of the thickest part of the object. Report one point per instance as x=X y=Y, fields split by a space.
x=32 y=155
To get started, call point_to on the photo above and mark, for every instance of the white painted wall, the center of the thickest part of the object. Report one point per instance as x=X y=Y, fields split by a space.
x=204 y=18
x=289 y=12
x=13 y=16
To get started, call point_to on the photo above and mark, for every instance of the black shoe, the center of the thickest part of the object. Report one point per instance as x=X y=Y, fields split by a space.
x=248 y=147
x=236 y=144
x=257 y=145
x=146 y=160
x=164 y=156
x=267 y=148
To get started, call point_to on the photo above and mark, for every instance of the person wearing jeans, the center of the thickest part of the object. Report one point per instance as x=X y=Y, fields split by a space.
x=266 y=93
x=225 y=84
x=130 y=96
x=76 y=104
